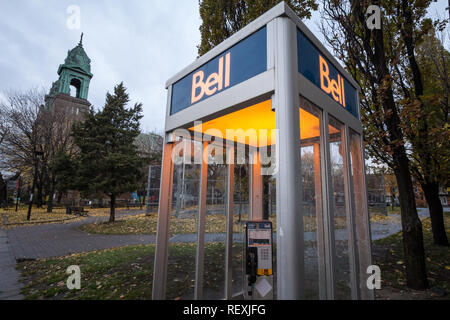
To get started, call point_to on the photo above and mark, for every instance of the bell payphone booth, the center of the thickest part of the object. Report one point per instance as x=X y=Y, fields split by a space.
x=267 y=109
x=258 y=260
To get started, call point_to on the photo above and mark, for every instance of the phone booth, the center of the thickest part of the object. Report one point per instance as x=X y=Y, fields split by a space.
x=263 y=192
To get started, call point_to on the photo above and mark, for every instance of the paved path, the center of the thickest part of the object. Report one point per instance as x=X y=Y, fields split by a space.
x=380 y=230
x=9 y=284
x=54 y=240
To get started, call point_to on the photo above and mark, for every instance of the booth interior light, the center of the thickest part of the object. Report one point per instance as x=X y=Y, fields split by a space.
x=246 y=123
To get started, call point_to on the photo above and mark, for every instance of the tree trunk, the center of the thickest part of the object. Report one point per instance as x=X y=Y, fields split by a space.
x=414 y=253
x=413 y=250
x=39 y=193
x=3 y=193
x=59 y=197
x=144 y=198
x=431 y=191
x=50 y=197
x=112 y=213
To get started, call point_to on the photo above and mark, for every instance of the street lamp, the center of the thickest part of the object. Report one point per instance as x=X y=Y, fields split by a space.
x=37 y=157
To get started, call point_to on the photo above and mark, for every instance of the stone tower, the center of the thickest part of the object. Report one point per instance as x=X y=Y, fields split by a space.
x=70 y=91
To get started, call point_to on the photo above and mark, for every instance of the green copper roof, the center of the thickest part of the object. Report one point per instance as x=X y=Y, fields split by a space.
x=77 y=59
x=75 y=73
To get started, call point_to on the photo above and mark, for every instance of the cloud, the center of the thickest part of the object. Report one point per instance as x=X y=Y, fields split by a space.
x=142 y=43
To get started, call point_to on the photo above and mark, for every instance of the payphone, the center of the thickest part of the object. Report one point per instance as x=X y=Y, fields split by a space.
x=258 y=260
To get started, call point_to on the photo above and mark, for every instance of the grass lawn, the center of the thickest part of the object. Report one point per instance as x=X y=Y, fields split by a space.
x=215 y=223
x=142 y=224
x=122 y=273
x=40 y=215
x=377 y=210
x=37 y=215
x=139 y=224
x=388 y=254
x=105 y=212
x=394 y=210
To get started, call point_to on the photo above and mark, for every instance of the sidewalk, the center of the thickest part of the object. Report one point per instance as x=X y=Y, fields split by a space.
x=60 y=239
x=9 y=277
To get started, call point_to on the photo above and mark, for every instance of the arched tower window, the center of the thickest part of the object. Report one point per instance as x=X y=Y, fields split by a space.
x=75 y=74
x=75 y=87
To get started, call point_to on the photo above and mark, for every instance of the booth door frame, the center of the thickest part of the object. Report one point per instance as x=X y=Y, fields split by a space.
x=359 y=256
x=287 y=118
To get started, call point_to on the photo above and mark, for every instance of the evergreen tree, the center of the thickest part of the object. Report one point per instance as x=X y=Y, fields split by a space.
x=64 y=169
x=108 y=161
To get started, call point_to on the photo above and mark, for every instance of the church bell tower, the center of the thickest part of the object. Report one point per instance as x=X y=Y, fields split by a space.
x=71 y=90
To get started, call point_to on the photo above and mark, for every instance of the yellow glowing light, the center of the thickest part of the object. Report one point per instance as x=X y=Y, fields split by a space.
x=244 y=125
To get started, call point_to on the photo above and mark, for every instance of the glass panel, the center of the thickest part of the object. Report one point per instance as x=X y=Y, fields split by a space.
x=342 y=268
x=183 y=223
x=215 y=229
x=376 y=193
x=268 y=165
x=312 y=195
x=240 y=216
x=361 y=217
x=153 y=191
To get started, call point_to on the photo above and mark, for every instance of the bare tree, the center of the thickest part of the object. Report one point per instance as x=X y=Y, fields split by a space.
x=28 y=126
x=56 y=127
x=19 y=116
x=149 y=145
x=5 y=126
x=425 y=121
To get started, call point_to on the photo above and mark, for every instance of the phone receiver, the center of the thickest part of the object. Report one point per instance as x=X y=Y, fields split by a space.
x=252 y=265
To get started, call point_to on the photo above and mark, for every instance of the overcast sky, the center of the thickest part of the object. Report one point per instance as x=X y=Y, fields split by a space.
x=139 y=42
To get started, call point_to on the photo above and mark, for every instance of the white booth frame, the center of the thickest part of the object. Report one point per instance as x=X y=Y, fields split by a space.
x=284 y=85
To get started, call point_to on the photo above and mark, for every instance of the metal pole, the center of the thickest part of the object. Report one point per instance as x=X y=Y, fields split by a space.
x=350 y=211
x=270 y=199
x=383 y=185
x=320 y=220
x=183 y=187
x=179 y=192
x=162 y=235
x=18 y=193
x=290 y=248
x=229 y=239
x=6 y=193
x=328 y=209
x=147 y=207
x=200 y=257
x=240 y=192
x=32 y=188
x=256 y=187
